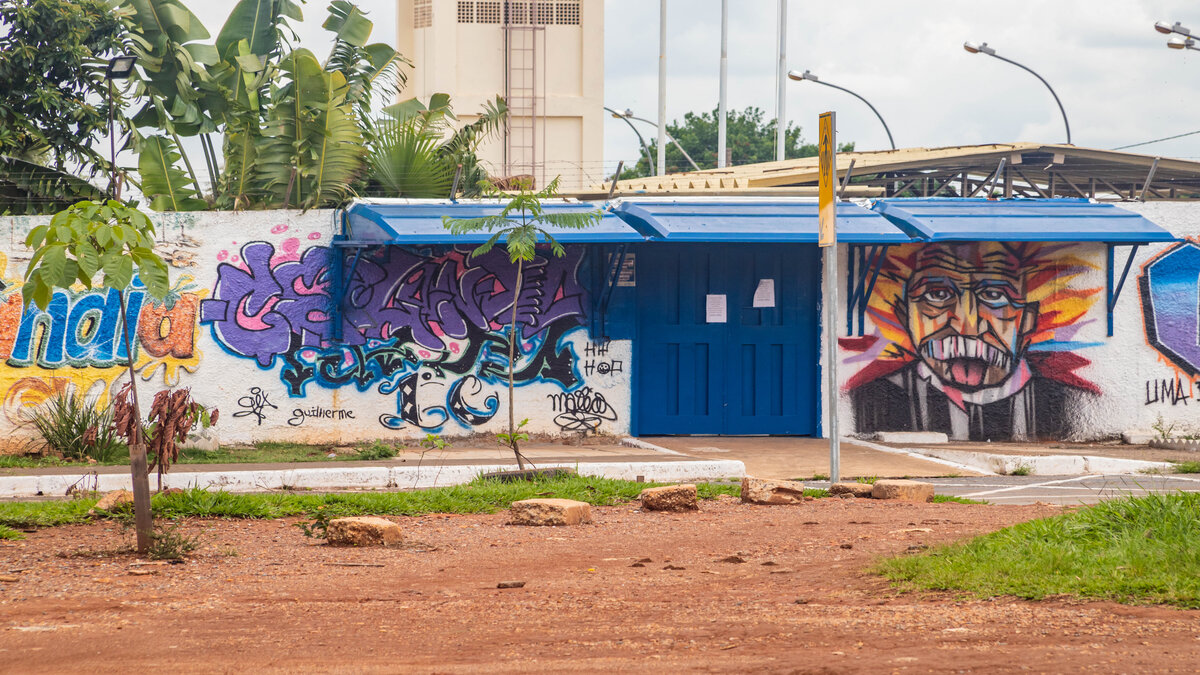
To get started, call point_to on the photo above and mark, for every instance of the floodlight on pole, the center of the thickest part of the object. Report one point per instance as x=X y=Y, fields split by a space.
x=1182 y=43
x=119 y=68
x=1168 y=28
x=629 y=114
x=806 y=75
x=983 y=48
x=625 y=117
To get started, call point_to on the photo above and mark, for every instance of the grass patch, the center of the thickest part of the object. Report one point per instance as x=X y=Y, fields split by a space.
x=10 y=534
x=478 y=496
x=942 y=499
x=1021 y=470
x=1186 y=467
x=1131 y=550
x=267 y=452
x=24 y=461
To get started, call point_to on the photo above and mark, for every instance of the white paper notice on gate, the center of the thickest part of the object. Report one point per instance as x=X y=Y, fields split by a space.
x=764 y=295
x=714 y=308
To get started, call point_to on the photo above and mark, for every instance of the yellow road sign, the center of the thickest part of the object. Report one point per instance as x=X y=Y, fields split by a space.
x=827 y=181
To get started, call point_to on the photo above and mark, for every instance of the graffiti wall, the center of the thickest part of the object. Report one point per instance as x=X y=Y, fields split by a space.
x=1008 y=341
x=423 y=345
x=981 y=341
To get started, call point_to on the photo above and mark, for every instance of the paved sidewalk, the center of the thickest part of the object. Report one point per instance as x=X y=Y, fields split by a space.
x=791 y=457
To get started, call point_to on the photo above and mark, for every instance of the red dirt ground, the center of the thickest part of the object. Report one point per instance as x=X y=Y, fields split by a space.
x=258 y=596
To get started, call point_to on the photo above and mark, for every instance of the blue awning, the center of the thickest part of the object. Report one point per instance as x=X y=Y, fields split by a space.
x=1019 y=220
x=750 y=220
x=420 y=223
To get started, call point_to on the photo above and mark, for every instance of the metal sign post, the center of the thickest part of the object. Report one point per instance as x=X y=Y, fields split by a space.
x=827 y=201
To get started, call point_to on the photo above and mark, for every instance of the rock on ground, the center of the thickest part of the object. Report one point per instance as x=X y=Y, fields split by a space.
x=907 y=490
x=861 y=490
x=113 y=500
x=363 y=531
x=670 y=498
x=549 y=512
x=764 y=491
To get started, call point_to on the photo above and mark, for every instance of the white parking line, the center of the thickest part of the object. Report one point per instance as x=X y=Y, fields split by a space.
x=1026 y=487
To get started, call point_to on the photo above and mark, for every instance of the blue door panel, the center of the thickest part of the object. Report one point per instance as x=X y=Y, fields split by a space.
x=755 y=374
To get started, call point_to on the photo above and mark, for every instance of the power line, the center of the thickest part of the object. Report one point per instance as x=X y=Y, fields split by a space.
x=1158 y=140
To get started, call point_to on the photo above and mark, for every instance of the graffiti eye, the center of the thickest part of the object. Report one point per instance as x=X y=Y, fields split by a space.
x=938 y=295
x=426 y=376
x=992 y=297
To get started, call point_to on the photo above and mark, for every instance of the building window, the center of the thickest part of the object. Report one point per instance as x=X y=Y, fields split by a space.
x=487 y=11
x=515 y=12
x=422 y=13
x=466 y=11
x=544 y=10
x=568 y=13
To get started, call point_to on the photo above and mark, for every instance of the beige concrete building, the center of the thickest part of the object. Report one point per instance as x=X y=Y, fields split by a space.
x=545 y=57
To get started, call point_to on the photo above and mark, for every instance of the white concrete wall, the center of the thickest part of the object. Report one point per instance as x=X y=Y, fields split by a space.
x=246 y=328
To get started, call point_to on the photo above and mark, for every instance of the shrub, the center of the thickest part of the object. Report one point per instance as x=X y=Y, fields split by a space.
x=75 y=427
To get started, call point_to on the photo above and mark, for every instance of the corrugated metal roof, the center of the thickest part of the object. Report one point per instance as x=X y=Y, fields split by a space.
x=420 y=222
x=774 y=221
x=1019 y=220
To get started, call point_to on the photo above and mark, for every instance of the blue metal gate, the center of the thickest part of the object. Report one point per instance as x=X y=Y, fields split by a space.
x=756 y=373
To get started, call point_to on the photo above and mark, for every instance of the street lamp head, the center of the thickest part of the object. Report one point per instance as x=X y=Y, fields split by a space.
x=119 y=67
x=1168 y=28
x=1179 y=43
x=980 y=48
x=800 y=77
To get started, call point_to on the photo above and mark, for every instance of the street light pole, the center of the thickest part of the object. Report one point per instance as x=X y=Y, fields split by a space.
x=722 y=113
x=985 y=49
x=645 y=148
x=780 y=83
x=662 y=86
x=806 y=75
x=118 y=68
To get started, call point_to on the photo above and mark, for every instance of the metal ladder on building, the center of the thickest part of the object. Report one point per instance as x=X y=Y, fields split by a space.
x=521 y=90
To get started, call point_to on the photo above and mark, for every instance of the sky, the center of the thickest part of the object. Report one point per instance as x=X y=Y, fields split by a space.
x=1117 y=80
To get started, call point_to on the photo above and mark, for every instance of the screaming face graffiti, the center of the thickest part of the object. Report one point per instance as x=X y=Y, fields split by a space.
x=974 y=339
x=968 y=318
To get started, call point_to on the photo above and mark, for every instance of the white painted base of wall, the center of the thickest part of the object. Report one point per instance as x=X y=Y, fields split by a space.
x=372 y=477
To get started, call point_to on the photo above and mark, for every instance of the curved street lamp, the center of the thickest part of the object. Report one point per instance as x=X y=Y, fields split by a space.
x=625 y=116
x=1185 y=42
x=985 y=49
x=630 y=115
x=806 y=75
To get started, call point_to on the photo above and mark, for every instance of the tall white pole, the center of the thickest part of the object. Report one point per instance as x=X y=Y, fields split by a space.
x=662 y=87
x=722 y=113
x=780 y=83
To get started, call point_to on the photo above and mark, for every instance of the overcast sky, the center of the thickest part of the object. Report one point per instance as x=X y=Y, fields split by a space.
x=1118 y=81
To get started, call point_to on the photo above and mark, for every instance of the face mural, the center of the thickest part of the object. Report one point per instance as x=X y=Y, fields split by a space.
x=975 y=339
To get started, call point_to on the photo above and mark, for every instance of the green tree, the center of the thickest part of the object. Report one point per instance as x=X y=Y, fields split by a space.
x=416 y=152
x=749 y=137
x=112 y=239
x=53 y=99
x=518 y=226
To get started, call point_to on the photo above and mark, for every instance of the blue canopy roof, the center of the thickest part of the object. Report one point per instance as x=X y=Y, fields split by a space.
x=747 y=220
x=1019 y=220
x=420 y=222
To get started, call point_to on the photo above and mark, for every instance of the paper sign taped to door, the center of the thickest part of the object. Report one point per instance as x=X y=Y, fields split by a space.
x=714 y=308
x=764 y=295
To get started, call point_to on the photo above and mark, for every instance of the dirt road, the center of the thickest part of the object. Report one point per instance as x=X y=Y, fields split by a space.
x=259 y=597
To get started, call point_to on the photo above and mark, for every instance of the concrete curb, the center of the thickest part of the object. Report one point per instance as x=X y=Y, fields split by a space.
x=1042 y=465
x=921 y=453
x=631 y=442
x=365 y=478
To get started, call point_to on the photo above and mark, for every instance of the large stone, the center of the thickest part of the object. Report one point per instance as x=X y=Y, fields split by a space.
x=111 y=501
x=763 y=491
x=549 y=512
x=670 y=498
x=860 y=490
x=363 y=531
x=907 y=490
